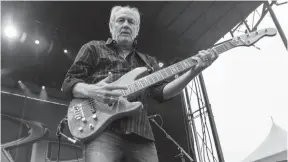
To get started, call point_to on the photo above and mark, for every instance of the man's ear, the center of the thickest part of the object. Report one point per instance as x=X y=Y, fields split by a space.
x=137 y=30
x=110 y=27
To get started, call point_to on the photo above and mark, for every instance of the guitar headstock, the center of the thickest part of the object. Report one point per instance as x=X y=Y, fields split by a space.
x=249 y=39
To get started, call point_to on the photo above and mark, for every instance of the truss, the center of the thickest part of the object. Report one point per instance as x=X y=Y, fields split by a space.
x=201 y=126
x=257 y=17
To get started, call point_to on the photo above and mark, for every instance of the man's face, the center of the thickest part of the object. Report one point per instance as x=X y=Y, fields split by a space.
x=125 y=28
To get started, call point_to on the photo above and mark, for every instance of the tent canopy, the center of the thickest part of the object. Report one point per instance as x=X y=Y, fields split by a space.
x=272 y=149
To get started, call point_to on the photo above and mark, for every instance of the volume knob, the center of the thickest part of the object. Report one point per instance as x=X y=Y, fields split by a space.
x=91 y=126
x=84 y=120
x=94 y=116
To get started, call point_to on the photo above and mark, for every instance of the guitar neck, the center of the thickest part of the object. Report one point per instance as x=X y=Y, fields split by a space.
x=170 y=71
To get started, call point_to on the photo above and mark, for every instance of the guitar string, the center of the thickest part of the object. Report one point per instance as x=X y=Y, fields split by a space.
x=91 y=100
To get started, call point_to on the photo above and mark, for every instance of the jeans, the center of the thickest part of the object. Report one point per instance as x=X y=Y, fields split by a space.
x=113 y=147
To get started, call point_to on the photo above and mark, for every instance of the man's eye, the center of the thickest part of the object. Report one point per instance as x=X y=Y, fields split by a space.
x=131 y=22
x=120 y=20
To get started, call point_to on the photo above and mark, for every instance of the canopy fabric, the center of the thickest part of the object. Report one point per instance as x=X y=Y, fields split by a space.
x=272 y=149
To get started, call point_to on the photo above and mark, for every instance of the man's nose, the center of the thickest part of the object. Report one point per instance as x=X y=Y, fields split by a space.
x=126 y=23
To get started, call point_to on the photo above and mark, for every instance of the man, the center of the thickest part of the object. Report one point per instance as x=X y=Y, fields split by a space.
x=99 y=63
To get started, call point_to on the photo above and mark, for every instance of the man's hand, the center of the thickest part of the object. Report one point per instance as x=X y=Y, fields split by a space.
x=205 y=58
x=105 y=92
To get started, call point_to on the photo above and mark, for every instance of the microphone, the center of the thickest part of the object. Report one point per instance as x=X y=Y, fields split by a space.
x=152 y=116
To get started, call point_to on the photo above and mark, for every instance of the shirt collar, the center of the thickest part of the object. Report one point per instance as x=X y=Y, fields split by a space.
x=110 y=42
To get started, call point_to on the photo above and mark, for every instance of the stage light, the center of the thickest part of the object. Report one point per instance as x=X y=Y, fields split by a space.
x=19 y=81
x=65 y=51
x=11 y=32
x=43 y=94
x=160 y=64
x=37 y=42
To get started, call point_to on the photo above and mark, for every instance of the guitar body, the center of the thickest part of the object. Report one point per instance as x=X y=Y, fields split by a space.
x=87 y=118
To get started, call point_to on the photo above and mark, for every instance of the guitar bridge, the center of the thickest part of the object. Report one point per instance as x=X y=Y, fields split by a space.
x=78 y=112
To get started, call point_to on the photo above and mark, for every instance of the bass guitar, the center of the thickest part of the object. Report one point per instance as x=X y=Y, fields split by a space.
x=87 y=118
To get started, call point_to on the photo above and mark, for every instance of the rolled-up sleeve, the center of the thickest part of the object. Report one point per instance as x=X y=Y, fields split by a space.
x=156 y=91
x=80 y=69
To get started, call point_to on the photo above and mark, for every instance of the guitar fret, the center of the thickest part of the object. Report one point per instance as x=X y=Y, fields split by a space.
x=231 y=44
x=143 y=82
x=174 y=69
x=136 y=86
x=133 y=87
x=179 y=67
x=169 y=72
x=139 y=84
x=150 y=79
x=156 y=77
x=220 y=48
x=226 y=47
x=123 y=92
x=185 y=64
x=161 y=76
x=146 y=82
x=129 y=90
x=164 y=73
x=190 y=61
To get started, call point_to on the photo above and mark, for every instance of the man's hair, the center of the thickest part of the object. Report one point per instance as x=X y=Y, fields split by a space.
x=132 y=9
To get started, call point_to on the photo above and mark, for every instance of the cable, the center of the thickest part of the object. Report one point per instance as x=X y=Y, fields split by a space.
x=162 y=121
x=58 y=154
x=60 y=128
x=76 y=155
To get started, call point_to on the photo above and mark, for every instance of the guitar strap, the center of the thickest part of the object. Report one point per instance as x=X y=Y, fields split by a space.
x=144 y=58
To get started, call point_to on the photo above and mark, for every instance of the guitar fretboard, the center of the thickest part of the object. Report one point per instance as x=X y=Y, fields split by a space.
x=170 y=71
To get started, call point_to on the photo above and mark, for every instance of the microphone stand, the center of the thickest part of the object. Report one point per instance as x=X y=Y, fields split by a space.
x=182 y=151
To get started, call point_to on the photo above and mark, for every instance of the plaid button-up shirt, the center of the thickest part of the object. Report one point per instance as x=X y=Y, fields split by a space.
x=92 y=64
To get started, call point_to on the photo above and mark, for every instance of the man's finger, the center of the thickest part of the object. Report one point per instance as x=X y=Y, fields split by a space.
x=114 y=87
x=112 y=93
x=109 y=78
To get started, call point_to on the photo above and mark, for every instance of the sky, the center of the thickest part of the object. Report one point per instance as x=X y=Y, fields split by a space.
x=246 y=87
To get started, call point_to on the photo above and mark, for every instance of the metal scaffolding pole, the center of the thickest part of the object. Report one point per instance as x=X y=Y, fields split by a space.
x=275 y=20
x=193 y=124
x=191 y=149
x=211 y=120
